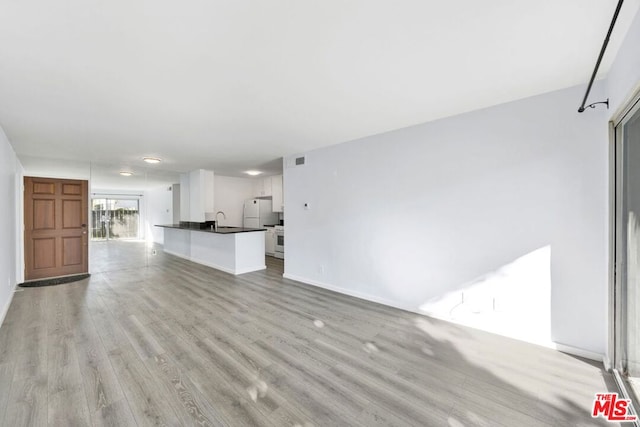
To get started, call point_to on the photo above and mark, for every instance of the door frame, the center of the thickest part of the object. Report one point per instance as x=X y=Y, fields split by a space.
x=19 y=223
x=616 y=173
x=21 y=229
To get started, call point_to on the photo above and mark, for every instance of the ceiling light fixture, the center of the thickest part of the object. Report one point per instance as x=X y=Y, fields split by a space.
x=152 y=160
x=253 y=173
x=125 y=173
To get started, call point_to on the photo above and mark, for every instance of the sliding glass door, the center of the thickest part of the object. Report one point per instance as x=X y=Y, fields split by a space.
x=115 y=219
x=627 y=252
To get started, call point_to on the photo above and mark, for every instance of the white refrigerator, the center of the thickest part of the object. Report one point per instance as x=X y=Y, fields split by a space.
x=257 y=213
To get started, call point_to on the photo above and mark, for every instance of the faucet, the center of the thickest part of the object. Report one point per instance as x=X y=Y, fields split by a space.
x=223 y=216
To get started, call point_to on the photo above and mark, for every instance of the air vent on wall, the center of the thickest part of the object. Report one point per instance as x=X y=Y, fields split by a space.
x=292 y=162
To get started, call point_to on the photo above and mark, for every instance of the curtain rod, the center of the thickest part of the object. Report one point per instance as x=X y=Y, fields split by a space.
x=595 y=70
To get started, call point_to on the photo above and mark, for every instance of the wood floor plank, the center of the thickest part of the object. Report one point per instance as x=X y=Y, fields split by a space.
x=147 y=405
x=27 y=403
x=116 y=414
x=68 y=408
x=374 y=415
x=158 y=340
x=31 y=353
x=479 y=412
x=179 y=385
x=62 y=364
x=110 y=330
x=141 y=340
x=230 y=399
x=6 y=379
x=9 y=336
x=100 y=382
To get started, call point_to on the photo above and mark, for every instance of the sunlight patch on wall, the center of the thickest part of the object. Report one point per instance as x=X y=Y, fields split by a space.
x=514 y=300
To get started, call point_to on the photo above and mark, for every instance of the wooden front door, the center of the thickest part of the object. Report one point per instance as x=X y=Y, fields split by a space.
x=55 y=227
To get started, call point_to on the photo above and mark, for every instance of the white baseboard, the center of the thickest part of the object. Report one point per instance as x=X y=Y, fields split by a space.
x=5 y=309
x=216 y=266
x=351 y=293
x=179 y=255
x=235 y=272
x=556 y=346
x=579 y=352
x=250 y=269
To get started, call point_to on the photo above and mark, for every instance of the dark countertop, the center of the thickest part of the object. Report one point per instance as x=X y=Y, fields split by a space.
x=220 y=230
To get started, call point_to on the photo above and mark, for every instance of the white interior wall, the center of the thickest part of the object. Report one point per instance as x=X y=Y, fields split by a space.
x=175 y=194
x=11 y=270
x=623 y=79
x=411 y=216
x=159 y=203
x=185 y=197
x=19 y=220
x=56 y=168
x=230 y=194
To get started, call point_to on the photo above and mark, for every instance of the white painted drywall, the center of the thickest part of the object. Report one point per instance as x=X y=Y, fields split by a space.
x=185 y=196
x=56 y=168
x=201 y=187
x=197 y=195
x=11 y=174
x=409 y=216
x=230 y=194
x=159 y=204
x=176 y=203
x=196 y=202
x=623 y=78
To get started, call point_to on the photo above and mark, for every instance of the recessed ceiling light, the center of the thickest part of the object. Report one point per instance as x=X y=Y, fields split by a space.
x=253 y=173
x=125 y=173
x=153 y=160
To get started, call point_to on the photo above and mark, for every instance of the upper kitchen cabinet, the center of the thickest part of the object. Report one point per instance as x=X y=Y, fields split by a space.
x=262 y=187
x=271 y=187
x=277 y=194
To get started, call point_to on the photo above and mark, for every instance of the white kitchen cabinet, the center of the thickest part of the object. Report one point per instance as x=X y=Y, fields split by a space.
x=270 y=241
x=277 y=194
x=257 y=187
x=196 y=195
x=262 y=187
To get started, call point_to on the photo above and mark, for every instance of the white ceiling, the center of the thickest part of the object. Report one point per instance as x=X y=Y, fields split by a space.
x=234 y=85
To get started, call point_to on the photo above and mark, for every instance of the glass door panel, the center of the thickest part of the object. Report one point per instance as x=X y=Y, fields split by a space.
x=627 y=301
x=113 y=219
x=99 y=219
x=124 y=218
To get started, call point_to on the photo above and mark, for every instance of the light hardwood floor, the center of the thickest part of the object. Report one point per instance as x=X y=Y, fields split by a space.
x=177 y=343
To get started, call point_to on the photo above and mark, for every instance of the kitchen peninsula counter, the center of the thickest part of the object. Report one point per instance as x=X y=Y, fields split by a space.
x=220 y=230
x=235 y=250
